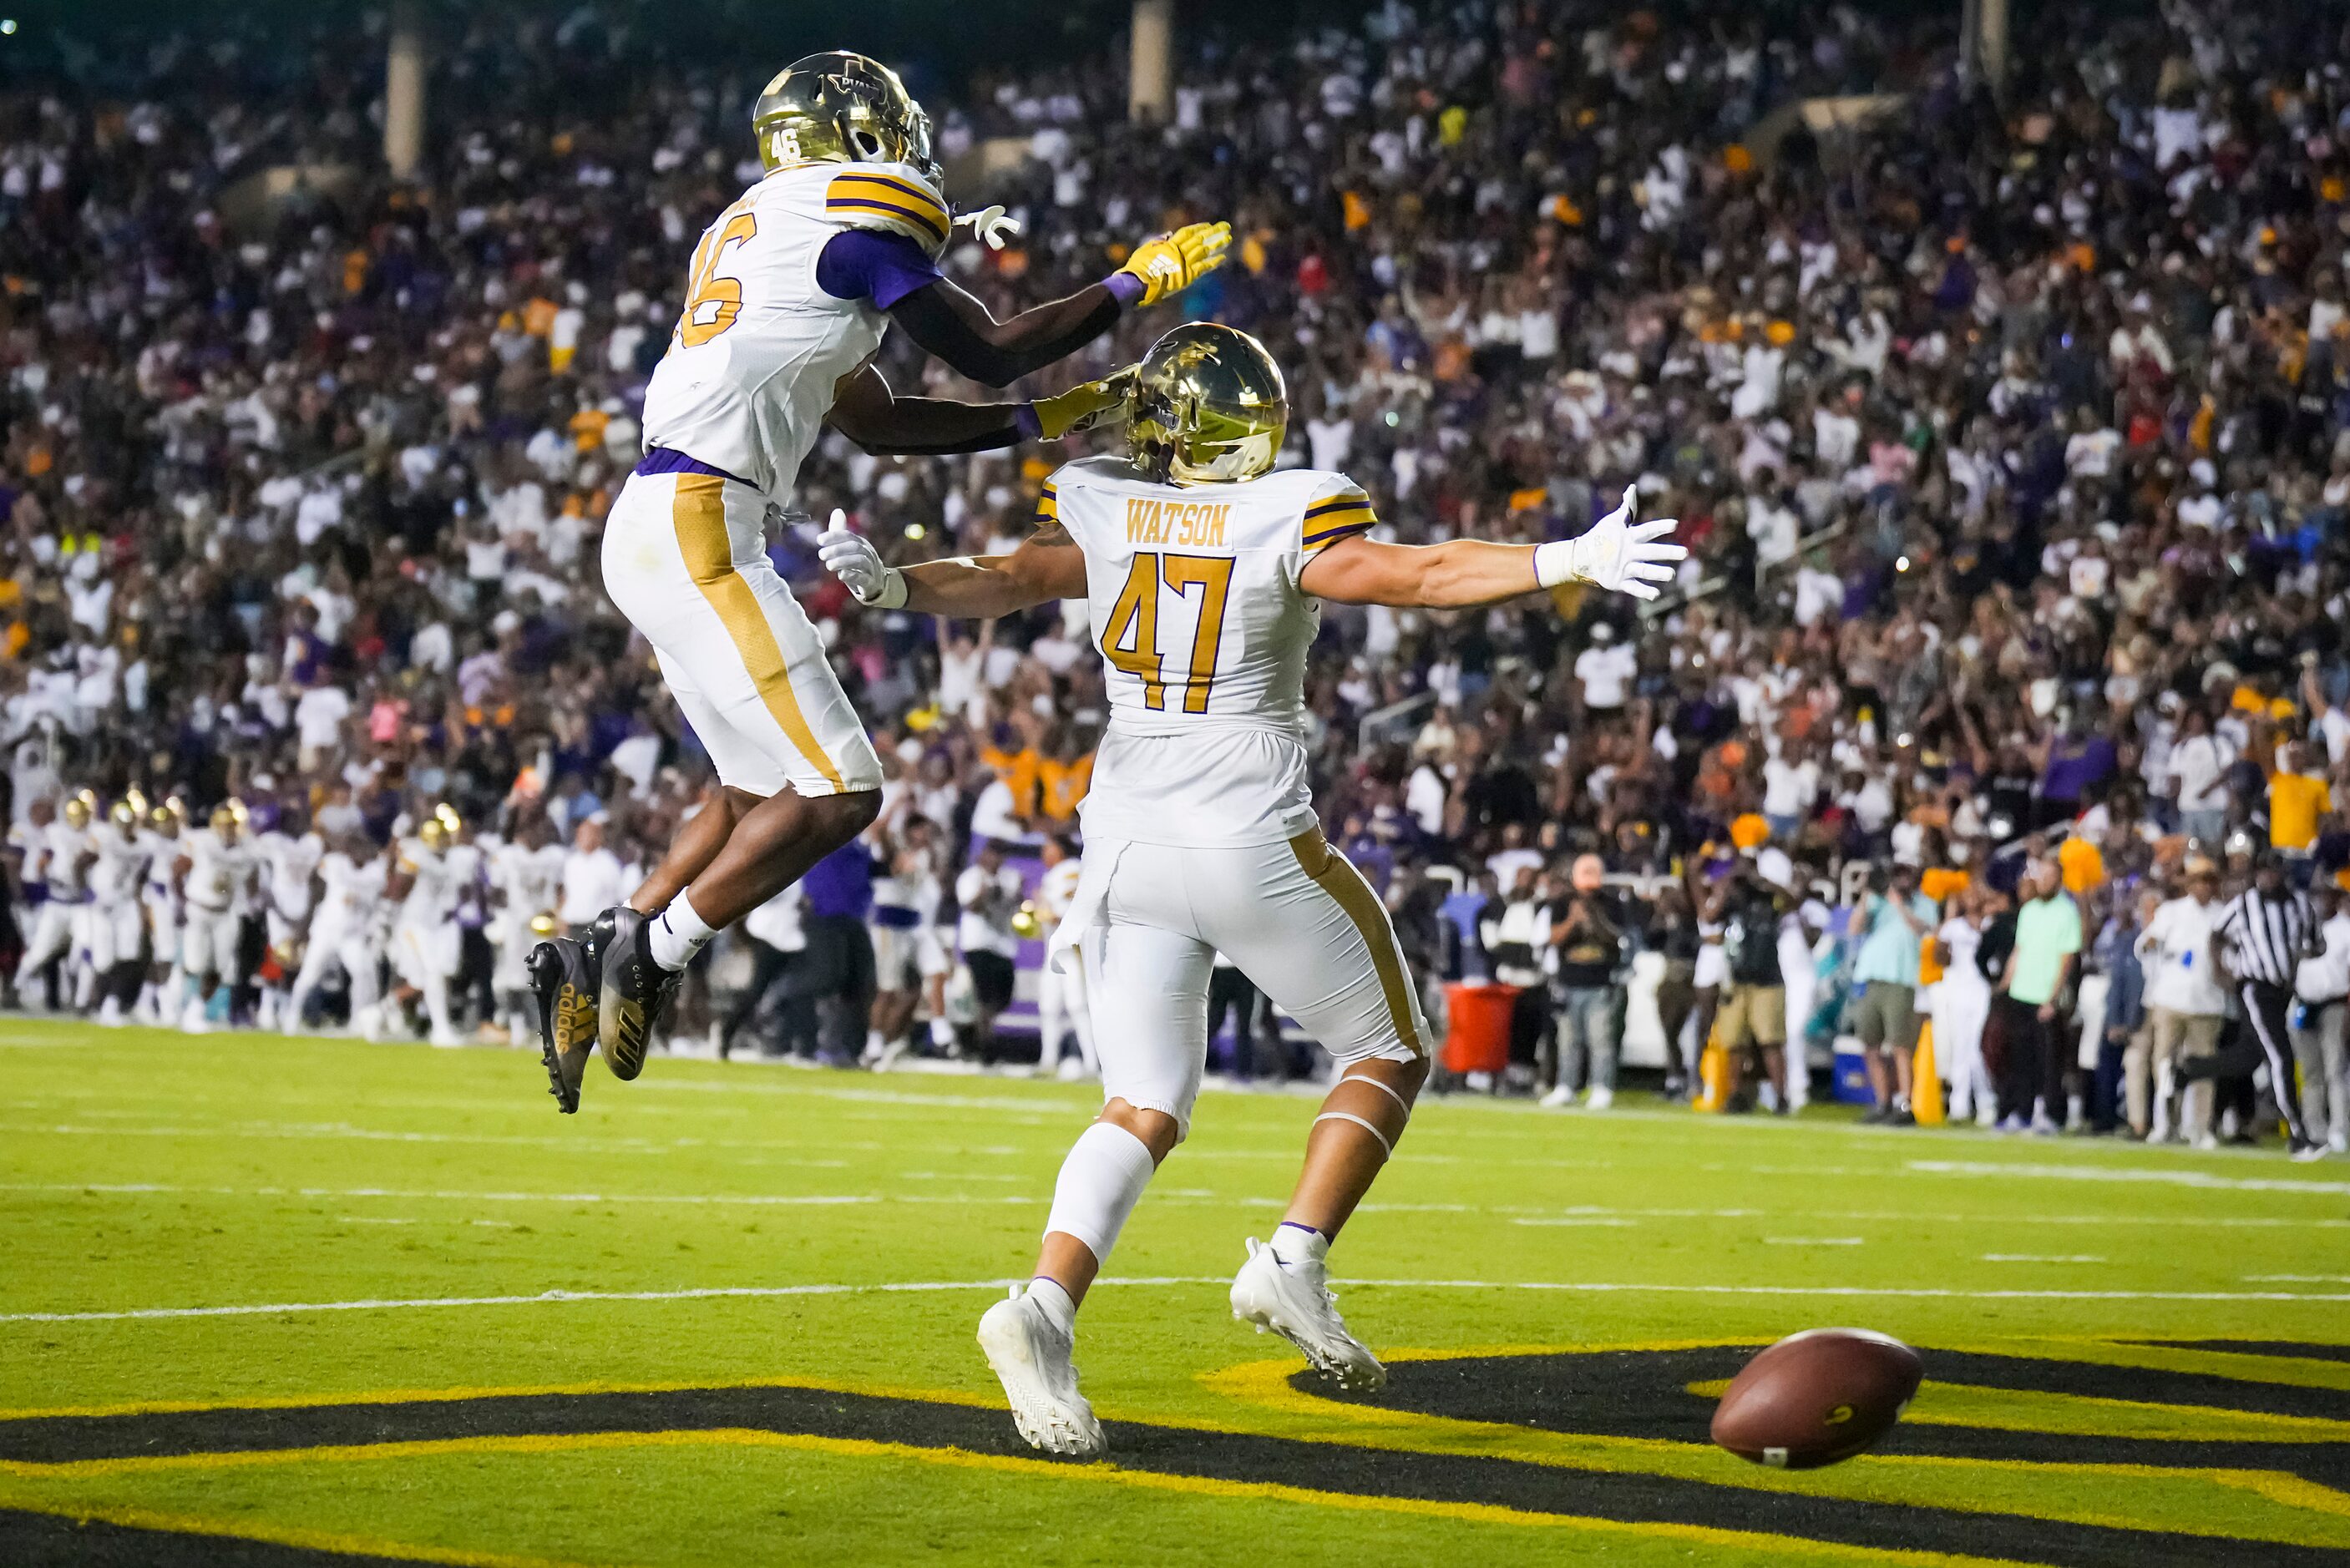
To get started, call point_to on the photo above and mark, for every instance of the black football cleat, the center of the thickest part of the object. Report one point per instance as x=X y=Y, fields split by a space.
x=563 y=977
x=633 y=990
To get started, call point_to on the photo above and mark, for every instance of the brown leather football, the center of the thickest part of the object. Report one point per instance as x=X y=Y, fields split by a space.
x=1816 y=1398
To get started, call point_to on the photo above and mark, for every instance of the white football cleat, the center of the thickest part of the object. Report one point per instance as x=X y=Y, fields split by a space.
x=1293 y=1301
x=1031 y=1359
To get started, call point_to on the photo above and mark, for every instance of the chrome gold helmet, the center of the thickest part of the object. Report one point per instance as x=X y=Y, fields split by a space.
x=840 y=108
x=228 y=817
x=129 y=812
x=169 y=816
x=1208 y=407
x=80 y=808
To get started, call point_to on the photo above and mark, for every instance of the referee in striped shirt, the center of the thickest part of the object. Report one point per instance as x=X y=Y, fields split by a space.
x=2263 y=933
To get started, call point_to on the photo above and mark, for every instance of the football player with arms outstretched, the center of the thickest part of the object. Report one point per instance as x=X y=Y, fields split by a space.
x=1205 y=570
x=790 y=292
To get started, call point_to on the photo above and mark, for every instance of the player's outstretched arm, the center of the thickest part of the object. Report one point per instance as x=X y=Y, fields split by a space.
x=958 y=328
x=1047 y=565
x=1614 y=554
x=879 y=421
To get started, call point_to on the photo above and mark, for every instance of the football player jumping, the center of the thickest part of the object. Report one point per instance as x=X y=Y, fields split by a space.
x=790 y=292
x=1205 y=569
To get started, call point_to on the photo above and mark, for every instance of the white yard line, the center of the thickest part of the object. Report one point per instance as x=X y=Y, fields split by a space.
x=2202 y=1179
x=1816 y=1241
x=2041 y=1258
x=559 y=1298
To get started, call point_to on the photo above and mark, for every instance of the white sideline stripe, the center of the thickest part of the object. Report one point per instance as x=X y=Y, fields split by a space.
x=2095 y=1173
x=2041 y=1258
x=1816 y=1241
x=1608 y=1220
x=2299 y=1279
x=559 y=1298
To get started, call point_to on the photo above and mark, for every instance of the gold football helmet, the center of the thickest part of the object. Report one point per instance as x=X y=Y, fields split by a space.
x=80 y=808
x=1208 y=407
x=129 y=812
x=840 y=108
x=228 y=819
x=169 y=816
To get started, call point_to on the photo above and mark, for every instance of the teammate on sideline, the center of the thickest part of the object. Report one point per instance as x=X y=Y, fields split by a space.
x=118 y=874
x=57 y=855
x=345 y=931
x=1204 y=569
x=526 y=873
x=1061 y=993
x=790 y=293
x=159 y=998
x=217 y=866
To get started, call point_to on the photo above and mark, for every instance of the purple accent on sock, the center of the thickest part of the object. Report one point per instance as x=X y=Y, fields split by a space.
x=1024 y=421
x=1124 y=287
x=1309 y=1230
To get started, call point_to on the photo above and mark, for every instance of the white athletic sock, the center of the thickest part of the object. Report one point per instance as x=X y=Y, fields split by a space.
x=1294 y=1243
x=1102 y=1181
x=1059 y=1310
x=678 y=933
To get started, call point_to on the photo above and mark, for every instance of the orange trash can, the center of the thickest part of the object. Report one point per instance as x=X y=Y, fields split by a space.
x=1479 y=1038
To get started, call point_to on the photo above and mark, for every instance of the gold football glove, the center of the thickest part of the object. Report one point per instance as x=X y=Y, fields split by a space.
x=1173 y=263
x=1095 y=405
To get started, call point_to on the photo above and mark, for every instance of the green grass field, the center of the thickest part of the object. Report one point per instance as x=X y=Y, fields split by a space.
x=279 y=1301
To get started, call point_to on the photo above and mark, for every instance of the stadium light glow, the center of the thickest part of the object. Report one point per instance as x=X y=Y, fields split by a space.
x=8 y=26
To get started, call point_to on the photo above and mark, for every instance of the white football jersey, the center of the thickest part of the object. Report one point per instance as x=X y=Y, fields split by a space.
x=442 y=877
x=120 y=868
x=291 y=860
x=64 y=863
x=531 y=879
x=354 y=887
x=218 y=874
x=751 y=367
x=1196 y=610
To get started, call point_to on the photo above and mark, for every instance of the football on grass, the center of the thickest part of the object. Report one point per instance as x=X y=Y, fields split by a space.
x=1816 y=1398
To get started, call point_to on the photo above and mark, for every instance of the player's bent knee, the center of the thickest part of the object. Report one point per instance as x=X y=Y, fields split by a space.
x=845 y=816
x=1156 y=1130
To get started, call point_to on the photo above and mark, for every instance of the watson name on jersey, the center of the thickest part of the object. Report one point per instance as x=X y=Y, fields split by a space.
x=1196 y=611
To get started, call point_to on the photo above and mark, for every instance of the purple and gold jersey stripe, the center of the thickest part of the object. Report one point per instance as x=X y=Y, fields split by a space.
x=881 y=195
x=1316 y=542
x=1337 y=517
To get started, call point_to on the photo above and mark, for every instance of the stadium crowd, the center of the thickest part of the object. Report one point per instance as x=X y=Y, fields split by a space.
x=2007 y=686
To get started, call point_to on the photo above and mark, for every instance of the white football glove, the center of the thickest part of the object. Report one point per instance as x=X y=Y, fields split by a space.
x=992 y=225
x=852 y=559
x=1614 y=554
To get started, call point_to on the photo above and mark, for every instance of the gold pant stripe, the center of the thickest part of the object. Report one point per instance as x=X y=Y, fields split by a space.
x=698 y=513
x=1335 y=875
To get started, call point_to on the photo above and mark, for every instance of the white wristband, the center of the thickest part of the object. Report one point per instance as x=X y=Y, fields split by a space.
x=1554 y=563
